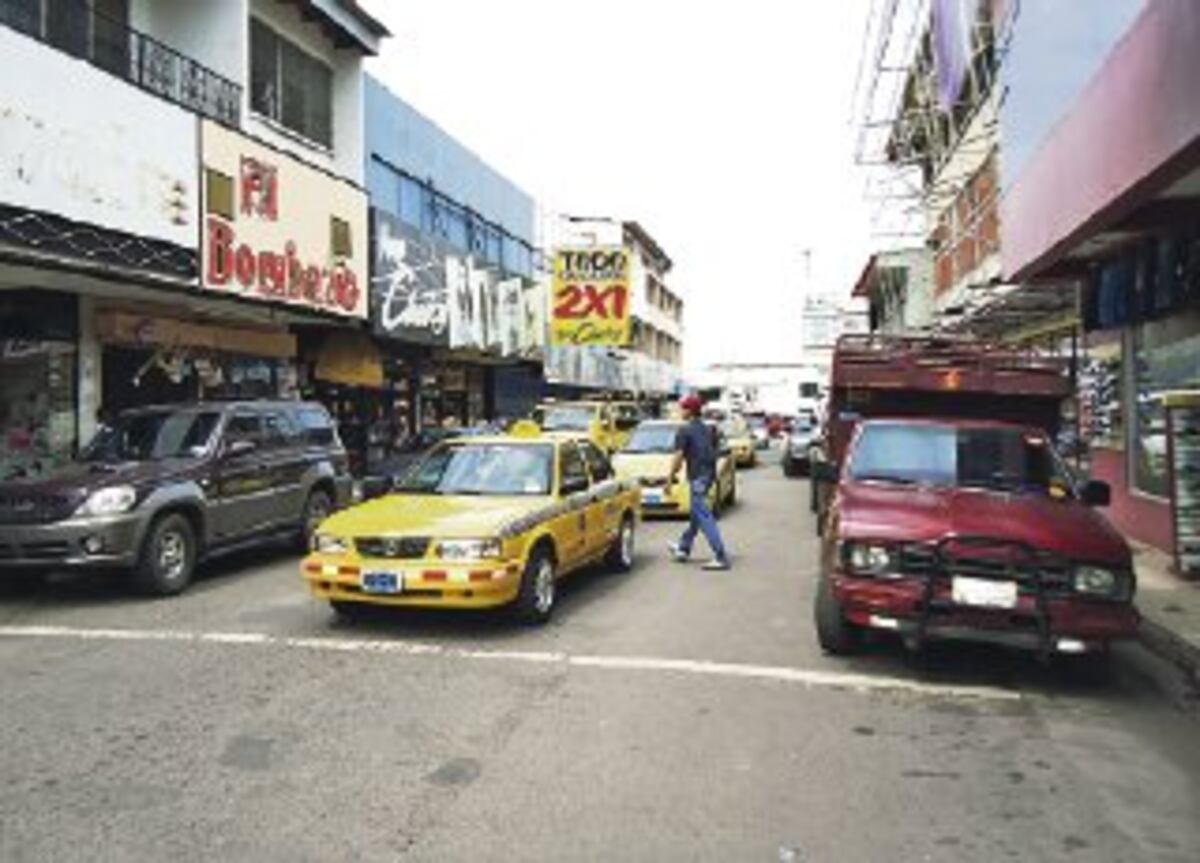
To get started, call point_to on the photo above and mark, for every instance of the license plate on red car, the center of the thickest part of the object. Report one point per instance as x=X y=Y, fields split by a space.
x=983 y=592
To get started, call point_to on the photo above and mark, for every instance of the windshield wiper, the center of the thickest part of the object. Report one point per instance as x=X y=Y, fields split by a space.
x=881 y=477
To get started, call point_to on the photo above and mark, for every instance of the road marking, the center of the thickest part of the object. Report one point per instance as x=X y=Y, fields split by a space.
x=807 y=677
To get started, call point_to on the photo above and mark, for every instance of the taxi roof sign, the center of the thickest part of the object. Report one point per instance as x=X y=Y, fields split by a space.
x=525 y=429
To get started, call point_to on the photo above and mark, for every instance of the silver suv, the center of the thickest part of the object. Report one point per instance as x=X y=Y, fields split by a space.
x=161 y=488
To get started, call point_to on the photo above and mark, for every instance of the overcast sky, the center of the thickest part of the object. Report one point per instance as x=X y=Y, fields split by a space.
x=724 y=128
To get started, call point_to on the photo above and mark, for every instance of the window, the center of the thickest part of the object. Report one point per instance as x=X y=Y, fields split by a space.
x=316 y=428
x=1167 y=356
x=278 y=429
x=597 y=462
x=218 y=193
x=243 y=427
x=571 y=466
x=290 y=86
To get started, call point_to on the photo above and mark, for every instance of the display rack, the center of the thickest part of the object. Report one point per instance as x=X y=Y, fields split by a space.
x=1183 y=423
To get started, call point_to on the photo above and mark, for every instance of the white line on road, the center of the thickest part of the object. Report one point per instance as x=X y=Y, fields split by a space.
x=783 y=674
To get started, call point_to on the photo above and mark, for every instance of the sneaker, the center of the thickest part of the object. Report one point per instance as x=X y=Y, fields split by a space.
x=677 y=554
x=715 y=565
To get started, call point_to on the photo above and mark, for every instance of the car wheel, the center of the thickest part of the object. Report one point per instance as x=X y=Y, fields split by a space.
x=317 y=508
x=535 y=598
x=168 y=558
x=835 y=634
x=789 y=468
x=620 y=556
x=733 y=492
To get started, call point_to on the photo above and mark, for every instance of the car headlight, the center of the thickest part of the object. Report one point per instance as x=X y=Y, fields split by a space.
x=1098 y=581
x=109 y=501
x=863 y=558
x=468 y=549
x=323 y=543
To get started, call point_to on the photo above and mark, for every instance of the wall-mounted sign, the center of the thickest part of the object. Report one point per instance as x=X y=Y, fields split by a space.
x=93 y=149
x=408 y=284
x=278 y=230
x=590 y=297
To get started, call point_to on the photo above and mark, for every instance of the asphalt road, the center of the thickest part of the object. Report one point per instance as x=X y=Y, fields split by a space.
x=668 y=714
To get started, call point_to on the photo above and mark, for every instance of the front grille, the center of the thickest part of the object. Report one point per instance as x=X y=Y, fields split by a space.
x=8 y=552
x=46 y=550
x=34 y=509
x=396 y=548
x=999 y=561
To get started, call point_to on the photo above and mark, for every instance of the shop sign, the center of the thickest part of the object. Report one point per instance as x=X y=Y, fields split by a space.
x=589 y=297
x=408 y=285
x=278 y=230
x=93 y=149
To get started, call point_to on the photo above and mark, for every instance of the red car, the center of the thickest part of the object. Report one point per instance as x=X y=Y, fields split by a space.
x=968 y=528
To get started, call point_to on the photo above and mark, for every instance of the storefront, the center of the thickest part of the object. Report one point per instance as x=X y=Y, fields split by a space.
x=38 y=428
x=150 y=356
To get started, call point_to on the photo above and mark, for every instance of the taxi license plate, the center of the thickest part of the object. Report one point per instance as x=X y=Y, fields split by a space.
x=383 y=582
x=652 y=496
x=983 y=593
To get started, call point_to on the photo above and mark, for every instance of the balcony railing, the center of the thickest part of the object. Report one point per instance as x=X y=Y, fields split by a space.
x=115 y=47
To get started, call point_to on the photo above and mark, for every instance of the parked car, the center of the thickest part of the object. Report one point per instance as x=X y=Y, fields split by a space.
x=741 y=441
x=600 y=421
x=760 y=432
x=160 y=488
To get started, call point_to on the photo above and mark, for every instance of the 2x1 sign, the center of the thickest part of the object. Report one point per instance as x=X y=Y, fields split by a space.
x=589 y=299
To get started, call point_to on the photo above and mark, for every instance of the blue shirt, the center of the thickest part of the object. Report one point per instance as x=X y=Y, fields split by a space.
x=698 y=444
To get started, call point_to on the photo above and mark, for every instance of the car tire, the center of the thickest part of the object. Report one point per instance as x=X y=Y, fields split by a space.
x=835 y=634
x=620 y=555
x=534 y=604
x=168 y=558
x=789 y=469
x=318 y=506
x=731 y=501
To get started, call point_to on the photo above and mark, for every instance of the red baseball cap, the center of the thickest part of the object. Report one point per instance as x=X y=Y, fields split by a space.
x=691 y=403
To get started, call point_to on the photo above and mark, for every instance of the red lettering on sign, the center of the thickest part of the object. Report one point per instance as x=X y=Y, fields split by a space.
x=220 y=252
x=581 y=301
x=243 y=265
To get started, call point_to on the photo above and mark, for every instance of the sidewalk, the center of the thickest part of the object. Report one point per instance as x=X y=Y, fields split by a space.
x=1170 y=609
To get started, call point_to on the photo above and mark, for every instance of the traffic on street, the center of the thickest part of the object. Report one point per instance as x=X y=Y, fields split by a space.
x=473 y=431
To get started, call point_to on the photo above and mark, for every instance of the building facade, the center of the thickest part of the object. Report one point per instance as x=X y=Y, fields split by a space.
x=1104 y=198
x=651 y=366
x=455 y=307
x=181 y=205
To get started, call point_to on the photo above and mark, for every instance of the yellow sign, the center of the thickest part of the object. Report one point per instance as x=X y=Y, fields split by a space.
x=590 y=297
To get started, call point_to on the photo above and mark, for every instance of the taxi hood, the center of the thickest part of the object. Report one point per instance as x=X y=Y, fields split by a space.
x=635 y=465
x=923 y=514
x=441 y=516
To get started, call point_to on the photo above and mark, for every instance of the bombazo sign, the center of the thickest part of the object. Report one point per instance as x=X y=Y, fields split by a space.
x=277 y=230
x=590 y=299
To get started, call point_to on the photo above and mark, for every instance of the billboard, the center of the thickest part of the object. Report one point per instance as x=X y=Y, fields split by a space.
x=590 y=297
x=409 y=300
x=278 y=230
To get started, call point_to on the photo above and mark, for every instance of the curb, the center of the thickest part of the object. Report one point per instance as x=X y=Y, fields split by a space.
x=1166 y=644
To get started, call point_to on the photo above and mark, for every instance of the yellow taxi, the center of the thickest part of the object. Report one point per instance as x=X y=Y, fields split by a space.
x=606 y=424
x=646 y=459
x=480 y=522
x=741 y=441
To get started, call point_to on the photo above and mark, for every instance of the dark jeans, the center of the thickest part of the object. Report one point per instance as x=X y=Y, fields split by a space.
x=702 y=521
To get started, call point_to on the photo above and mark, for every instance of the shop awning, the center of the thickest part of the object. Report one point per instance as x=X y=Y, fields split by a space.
x=138 y=330
x=350 y=358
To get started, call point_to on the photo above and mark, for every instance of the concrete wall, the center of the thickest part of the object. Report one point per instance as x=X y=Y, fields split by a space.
x=215 y=33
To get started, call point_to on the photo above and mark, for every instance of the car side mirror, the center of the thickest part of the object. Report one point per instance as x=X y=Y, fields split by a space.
x=1096 y=493
x=824 y=471
x=239 y=447
x=574 y=485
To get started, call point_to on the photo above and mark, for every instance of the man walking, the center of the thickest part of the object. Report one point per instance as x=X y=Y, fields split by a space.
x=695 y=446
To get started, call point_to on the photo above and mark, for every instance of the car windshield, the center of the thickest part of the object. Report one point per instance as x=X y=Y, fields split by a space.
x=565 y=418
x=1004 y=459
x=802 y=424
x=153 y=435
x=484 y=469
x=653 y=438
